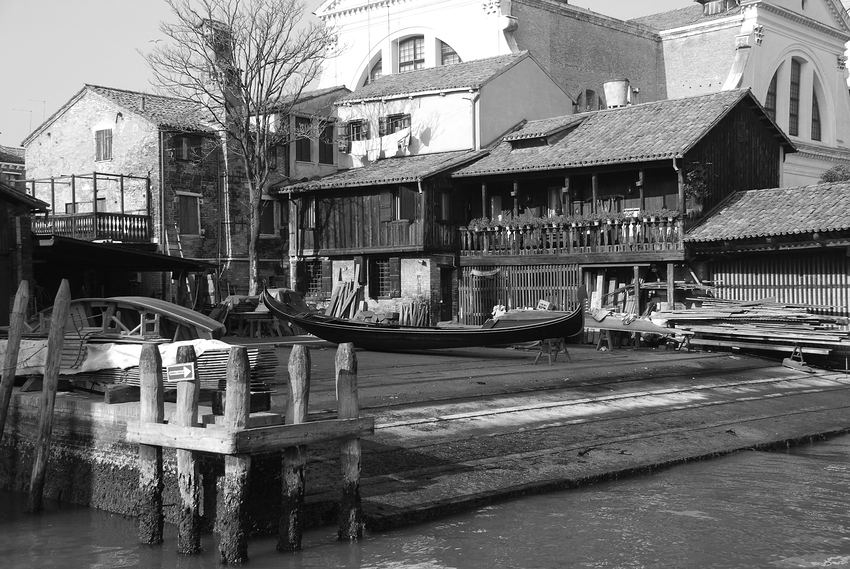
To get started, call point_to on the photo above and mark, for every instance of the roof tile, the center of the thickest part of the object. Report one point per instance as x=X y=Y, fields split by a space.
x=161 y=111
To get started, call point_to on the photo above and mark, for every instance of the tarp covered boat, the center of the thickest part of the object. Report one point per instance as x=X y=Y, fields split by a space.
x=388 y=337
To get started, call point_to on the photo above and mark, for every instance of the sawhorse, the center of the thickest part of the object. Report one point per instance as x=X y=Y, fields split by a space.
x=552 y=347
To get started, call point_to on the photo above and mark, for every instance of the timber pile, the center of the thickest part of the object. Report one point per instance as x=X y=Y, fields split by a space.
x=763 y=325
x=345 y=297
x=415 y=314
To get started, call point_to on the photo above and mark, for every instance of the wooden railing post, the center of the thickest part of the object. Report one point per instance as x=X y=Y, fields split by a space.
x=151 y=410
x=186 y=415
x=233 y=544
x=13 y=346
x=295 y=458
x=55 y=341
x=350 y=512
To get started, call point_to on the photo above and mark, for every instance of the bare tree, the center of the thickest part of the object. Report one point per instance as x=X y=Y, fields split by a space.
x=245 y=62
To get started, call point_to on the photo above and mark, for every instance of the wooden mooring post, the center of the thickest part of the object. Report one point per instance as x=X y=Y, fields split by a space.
x=237 y=440
x=350 y=511
x=188 y=487
x=294 y=458
x=13 y=347
x=152 y=410
x=55 y=341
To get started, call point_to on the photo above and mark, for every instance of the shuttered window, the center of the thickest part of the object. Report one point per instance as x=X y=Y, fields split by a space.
x=103 y=144
x=407 y=203
x=387 y=205
x=189 y=214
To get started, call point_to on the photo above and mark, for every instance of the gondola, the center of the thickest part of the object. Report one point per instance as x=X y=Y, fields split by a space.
x=390 y=338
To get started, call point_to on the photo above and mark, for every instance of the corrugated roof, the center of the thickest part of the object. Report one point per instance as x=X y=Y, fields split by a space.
x=12 y=154
x=162 y=111
x=640 y=133
x=399 y=170
x=777 y=211
x=467 y=75
x=681 y=17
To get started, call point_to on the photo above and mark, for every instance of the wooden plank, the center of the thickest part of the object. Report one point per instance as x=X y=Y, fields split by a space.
x=756 y=346
x=13 y=347
x=120 y=393
x=263 y=439
x=55 y=339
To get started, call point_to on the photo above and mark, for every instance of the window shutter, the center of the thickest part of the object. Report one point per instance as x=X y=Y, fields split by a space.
x=387 y=206
x=395 y=277
x=382 y=126
x=343 y=137
x=327 y=277
x=408 y=203
x=365 y=130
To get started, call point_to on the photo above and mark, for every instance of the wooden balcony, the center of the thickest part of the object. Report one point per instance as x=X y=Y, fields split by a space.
x=100 y=226
x=601 y=238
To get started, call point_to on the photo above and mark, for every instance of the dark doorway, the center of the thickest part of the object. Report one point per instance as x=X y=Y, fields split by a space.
x=446 y=294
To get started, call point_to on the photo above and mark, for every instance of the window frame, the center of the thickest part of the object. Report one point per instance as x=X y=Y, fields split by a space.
x=448 y=55
x=183 y=213
x=770 y=97
x=794 y=97
x=384 y=277
x=411 y=54
x=103 y=145
x=303 y=144
x=274 y=217
x=187 y=147
x=326 y=145
x=817 y=128
x=393 y=123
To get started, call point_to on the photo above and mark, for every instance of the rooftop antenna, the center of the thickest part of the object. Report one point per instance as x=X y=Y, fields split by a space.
x=43 y=105
x=26 y=111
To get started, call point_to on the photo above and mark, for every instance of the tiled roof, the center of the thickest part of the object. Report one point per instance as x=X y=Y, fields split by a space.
x=681 y=17
x=778 y=211
x=640 y=133
x=12 y=154
x=401 y=170
x=162 y=111
x=314 y=94
x=8 y=193
x=467 y=75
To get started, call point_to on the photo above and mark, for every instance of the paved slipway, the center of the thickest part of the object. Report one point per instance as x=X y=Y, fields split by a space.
x=457 y=429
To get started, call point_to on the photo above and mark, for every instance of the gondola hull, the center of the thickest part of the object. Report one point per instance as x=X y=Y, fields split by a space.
x=390 y=338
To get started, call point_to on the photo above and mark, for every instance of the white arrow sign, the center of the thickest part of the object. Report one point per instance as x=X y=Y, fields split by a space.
x=180 y=372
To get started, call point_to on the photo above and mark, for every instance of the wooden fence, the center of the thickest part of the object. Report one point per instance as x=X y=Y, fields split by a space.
x=482 y=288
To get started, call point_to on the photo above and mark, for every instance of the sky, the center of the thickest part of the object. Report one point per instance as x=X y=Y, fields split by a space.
x=52 y=48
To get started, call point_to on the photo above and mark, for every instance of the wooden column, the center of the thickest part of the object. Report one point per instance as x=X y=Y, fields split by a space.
x=638 y=307
x=515 y=195
x=186 y=415
x=640 y=188
x=567 y=198
x=151 y=410
x=295 y=458
x=671 y=286
x=595 y=188
x=73 y=194
x=121 y=191
x=53 y=195
x=680 y=175
x=484 y=200
x=55 y=341
x=13 y=347
x=350 y=513
x=234 y=522
x=94 y=204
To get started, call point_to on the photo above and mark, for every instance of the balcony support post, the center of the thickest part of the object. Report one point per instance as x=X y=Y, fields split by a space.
x=94 y=204
x=484 y=200
x=566 y=198
x=640 y=187
x=595 y=186
x=515 y=195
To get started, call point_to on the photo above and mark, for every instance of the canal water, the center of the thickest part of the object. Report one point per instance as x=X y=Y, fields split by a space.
x=750 y=509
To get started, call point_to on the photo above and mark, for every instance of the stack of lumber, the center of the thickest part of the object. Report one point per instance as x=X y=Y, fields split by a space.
x=415 y=314
x=345 y=297
x=762 y=325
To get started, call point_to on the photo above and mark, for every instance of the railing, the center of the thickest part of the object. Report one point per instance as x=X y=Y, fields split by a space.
x=602 y=237
x=127 y=228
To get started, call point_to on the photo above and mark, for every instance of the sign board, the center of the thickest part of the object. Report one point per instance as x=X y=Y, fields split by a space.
x=180 y=372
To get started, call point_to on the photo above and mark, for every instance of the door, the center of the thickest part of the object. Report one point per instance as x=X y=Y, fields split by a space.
x=446 y=291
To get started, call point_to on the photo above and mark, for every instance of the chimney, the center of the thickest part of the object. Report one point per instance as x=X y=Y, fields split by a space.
x=616 y=93
x=142 y=104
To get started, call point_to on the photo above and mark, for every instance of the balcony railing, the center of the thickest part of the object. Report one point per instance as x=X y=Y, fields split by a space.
x=127 y=228
x=569 y=239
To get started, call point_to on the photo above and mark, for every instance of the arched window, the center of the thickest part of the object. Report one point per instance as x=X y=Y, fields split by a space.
x=448 y=55
x=794 y=100
x=411 y=54
x=770 y=99
x=816 y=133
x=376 y=71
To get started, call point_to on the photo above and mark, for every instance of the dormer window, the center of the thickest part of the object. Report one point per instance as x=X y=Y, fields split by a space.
x=411 y=54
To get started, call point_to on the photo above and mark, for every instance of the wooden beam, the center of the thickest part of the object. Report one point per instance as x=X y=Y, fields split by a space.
x=188 y=483
x=218 y=440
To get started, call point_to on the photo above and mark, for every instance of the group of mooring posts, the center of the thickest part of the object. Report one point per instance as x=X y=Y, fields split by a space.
x=50 y=382
x=235 y=439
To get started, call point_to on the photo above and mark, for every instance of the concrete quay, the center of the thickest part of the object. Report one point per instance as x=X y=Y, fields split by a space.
x=458 y=429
